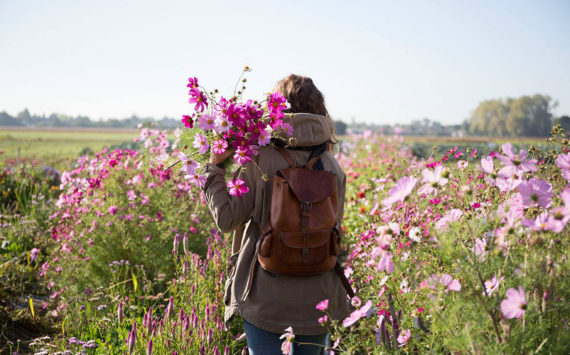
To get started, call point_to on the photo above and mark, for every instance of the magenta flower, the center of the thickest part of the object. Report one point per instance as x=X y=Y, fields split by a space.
x=276 y=102
x=398 y=193
x=514 y=306
x=219 y=146
x=404 y=337
x=288 y=342
x=201 y=142
x=321 y=306
x=192 y=83
x=113 y=210
x=535 y=192
x=197 y=97
x=242 y=155
x=323 y=319
x=237 y=187
x=187 y=121
x=149 y=347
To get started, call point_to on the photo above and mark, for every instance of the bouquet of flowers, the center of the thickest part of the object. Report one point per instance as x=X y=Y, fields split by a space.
x=221 y=124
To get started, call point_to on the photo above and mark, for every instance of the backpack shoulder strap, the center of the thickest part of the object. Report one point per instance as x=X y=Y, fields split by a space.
x=287 y=157
x=312 y=161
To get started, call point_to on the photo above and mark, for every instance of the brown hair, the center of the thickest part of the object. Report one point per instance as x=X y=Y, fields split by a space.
x=303 y=96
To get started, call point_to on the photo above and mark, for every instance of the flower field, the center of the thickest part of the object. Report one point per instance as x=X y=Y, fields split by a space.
x=460 y=252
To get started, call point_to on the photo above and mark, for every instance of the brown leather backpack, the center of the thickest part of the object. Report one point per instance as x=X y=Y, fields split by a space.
x=302 y=235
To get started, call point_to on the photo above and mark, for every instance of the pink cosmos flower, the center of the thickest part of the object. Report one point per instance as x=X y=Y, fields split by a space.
x=542 y=223
x=196 y=179
x=264 y=138
x=197 y=97
x=435 y=176
x=386 y=263
x=514 y=306
x=398 y=193
x=479 y=249
x=492 y=285
x=34 y=253
x=487 y=166
x=404 y=337
x=508 y=179
x=452 y=215
x=201 y=142
x=535 y=192
x=242 y=155
x=189 y=167
x=206 y=122
x=131 y=195
x=462 y=165
x=222 y=124
x=517 y=161
x=321 y=306
x=364 y=311
x=237 y=187
x=563 y=162
x=219 y=146
x=287 y=128
x=288 y=342
x=450 y=283
x=323 y=319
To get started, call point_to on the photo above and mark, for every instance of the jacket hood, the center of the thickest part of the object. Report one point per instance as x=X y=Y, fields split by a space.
x=310 y=129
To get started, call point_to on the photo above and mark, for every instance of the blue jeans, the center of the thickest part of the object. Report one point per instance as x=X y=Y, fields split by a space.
x=261 y=342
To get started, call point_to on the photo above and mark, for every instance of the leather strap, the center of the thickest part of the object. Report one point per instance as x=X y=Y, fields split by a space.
x=312 y=162
x=344 y=280
x=287 y=157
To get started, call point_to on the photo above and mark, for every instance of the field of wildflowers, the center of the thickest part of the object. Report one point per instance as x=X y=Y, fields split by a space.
x=456 y=253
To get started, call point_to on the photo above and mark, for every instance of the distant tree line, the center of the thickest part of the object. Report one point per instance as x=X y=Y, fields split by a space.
x=528 y=116
x=26 y=119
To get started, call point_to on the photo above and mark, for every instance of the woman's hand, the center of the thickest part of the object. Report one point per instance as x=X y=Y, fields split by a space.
x=220 y=158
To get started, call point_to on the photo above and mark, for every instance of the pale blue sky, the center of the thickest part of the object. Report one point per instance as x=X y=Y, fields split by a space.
x=376 y=61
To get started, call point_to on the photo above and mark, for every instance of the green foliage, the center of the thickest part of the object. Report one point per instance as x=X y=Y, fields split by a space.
x=528 y=116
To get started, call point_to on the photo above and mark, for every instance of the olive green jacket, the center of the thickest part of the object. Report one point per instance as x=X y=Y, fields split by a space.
x=275 y=302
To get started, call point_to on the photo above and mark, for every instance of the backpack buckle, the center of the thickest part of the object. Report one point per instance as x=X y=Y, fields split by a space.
x=305 y=255
x=306 y=206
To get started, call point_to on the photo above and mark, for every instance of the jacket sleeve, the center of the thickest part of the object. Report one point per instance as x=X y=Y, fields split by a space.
x=229 y=211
